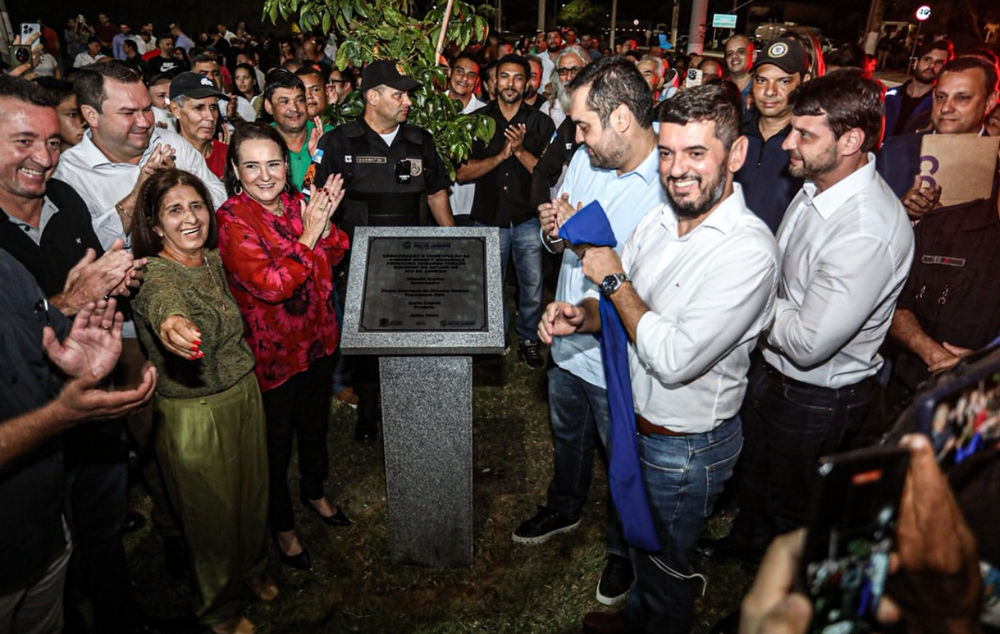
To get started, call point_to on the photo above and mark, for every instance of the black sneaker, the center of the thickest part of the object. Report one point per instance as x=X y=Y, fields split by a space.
x=545 y=524
x=615 y=580
x=528 y=352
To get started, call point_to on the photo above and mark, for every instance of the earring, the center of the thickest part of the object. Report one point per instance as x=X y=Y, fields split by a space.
x=238 y=190
x=288 y=186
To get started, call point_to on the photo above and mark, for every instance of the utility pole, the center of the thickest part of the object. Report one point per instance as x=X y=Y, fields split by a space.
x=872 y=27
x=673 y=23
x=614 y=19
x=541 y=15
x=696 y=29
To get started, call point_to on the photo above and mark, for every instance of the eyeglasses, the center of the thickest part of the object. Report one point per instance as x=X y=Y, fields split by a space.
x=333 y=82
x=572 y=70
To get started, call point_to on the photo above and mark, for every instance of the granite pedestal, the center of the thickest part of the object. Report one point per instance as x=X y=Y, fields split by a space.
x=424 y=300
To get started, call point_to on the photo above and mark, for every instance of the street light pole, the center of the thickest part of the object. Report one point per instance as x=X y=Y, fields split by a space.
x=614 y=18
x=541 y=15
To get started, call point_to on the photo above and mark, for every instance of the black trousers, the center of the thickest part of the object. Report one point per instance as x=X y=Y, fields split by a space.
x=299 y=407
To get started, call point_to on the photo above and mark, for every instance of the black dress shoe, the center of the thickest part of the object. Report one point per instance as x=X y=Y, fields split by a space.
x=337 y=519
x=133 y=521
x=299 y=562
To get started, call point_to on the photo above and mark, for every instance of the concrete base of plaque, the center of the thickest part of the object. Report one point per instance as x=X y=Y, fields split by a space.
x=424 y=300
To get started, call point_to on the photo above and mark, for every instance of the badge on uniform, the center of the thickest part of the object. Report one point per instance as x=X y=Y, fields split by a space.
x=416 y=167
x=347 y=159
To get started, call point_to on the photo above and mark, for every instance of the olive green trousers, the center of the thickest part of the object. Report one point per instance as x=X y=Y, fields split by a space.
x=213 y=454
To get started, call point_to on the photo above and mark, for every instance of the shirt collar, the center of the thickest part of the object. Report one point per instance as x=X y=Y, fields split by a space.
x=829 y=201
x=649 y=169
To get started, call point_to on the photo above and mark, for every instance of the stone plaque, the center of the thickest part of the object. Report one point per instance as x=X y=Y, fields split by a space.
x=420 y=284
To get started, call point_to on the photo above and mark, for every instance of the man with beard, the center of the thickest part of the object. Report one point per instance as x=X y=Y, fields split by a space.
x=910 y=103
x=502 y=170
x=461 y=88
x=285 y=100
x=569 y=63
x=846 y=249
x=553 y=45
x=694 y=287
x=618 y=169
x=165 y=62
x=767 y=185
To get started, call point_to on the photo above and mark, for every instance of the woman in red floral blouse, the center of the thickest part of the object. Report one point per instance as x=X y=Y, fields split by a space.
x=279 y=253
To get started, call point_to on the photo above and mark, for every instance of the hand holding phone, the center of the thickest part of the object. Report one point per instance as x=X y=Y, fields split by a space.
x=934 y=573
x=693 y=78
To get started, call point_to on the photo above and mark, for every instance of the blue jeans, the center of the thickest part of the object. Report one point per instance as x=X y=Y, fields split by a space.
x=524 y=243
x=683 y=475
x=579 y=414
x=787 y=427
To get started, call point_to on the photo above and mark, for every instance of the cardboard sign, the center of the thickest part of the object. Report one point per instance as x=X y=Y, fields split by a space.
x=962 y=164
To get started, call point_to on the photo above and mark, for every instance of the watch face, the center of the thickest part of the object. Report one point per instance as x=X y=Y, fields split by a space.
x=611 y=283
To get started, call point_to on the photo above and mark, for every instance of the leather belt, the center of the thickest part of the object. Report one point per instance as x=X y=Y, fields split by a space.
x=787 y=380
x=647 y=428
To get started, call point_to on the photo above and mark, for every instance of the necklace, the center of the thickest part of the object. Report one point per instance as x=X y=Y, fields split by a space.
x=280 y=211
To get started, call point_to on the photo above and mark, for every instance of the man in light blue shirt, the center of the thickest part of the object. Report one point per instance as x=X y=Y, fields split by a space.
x=618 y=167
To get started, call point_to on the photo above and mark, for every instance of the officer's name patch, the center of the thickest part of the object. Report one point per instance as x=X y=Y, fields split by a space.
x=369 y=159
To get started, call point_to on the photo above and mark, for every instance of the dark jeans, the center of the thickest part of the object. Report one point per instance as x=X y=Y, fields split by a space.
x=786 y=428
x=300 y=406
x=579 y=414
x=684 y=475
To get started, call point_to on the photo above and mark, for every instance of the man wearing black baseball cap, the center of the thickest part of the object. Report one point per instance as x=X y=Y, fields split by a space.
x=392 y=175
x=767 y=186
x=194 y=101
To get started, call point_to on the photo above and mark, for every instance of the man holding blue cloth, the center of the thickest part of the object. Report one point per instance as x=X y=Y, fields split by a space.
x=694 y=287
x=616 y=168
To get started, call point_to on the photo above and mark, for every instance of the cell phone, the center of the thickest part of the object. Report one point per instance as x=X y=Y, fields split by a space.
x=851 y=531
x=20 y=55
x=693 y=78
x=28 y=29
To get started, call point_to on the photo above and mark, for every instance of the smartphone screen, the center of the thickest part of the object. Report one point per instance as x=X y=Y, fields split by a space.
x=851 y=532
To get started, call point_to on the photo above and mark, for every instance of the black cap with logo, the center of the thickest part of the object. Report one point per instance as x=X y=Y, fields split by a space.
x=194 y=86
x=386 y=72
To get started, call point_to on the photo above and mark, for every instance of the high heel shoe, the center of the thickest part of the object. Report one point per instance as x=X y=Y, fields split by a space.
x=300 y=561
x=337 y=519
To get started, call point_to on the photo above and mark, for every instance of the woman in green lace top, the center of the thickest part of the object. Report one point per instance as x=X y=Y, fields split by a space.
x=210 y=421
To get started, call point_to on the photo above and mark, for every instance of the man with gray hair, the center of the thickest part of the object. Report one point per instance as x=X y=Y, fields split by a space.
x=569 y=63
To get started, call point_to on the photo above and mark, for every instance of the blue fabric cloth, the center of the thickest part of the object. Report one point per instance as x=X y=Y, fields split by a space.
x=590 y=225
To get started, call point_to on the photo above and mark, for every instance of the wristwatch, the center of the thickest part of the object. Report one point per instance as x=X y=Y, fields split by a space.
x=611 y=283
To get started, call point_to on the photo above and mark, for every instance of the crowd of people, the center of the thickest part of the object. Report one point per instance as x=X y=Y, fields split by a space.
x=774 y=272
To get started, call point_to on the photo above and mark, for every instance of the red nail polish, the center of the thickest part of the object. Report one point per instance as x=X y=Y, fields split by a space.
x=191 y=358
x=201 y=355
x=198 y=342
x=194 y=348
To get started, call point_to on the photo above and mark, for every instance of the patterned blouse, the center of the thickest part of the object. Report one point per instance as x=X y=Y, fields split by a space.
x=284 y=289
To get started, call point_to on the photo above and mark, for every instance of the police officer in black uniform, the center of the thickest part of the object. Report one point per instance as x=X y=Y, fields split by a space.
x=393 y=177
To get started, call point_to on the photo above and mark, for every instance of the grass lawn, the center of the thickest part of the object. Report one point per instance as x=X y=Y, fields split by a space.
x=353 y=587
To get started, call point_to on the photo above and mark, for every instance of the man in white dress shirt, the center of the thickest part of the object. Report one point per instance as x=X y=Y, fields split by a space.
x=846 y=247
x=694 y=288
x=122 y=149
